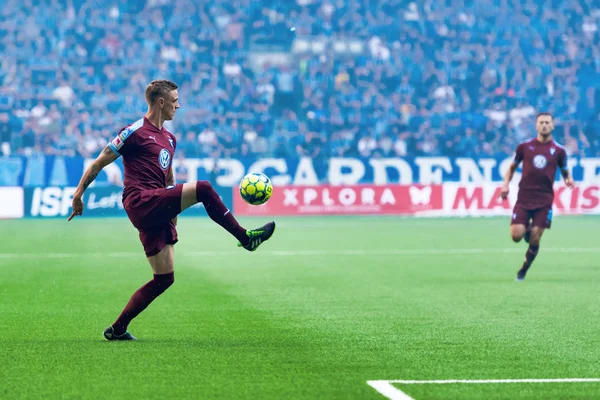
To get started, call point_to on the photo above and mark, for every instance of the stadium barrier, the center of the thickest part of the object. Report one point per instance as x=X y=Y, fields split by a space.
x=448 y=199
x=52 y=201
x=11 y=202
x=347 y=200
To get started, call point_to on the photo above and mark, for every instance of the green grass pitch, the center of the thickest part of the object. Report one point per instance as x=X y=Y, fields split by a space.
x=327 y=305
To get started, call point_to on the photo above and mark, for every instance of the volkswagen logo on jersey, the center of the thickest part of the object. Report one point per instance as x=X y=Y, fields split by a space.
x=539 y=161
x=164 y=158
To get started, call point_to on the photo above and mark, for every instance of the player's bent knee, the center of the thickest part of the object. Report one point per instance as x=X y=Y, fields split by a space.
x=517 y=233
x=203 y=187
x=517 y=237
x=168 y=282
x=164 y=281
x=197 y=192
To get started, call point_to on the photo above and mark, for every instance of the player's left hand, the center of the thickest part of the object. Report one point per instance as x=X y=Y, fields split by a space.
x=77 y=207
x=569 y=182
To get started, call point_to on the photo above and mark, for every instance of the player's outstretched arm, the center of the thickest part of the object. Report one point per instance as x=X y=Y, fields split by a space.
x=106 y=157
x=507 y=178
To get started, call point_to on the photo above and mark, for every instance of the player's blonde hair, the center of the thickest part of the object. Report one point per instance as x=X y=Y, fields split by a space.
x=158 y=88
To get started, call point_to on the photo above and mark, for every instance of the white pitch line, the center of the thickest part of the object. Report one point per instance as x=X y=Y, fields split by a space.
x=408 y=252
x=488 y=381
x=318 y=253
x=387 y=389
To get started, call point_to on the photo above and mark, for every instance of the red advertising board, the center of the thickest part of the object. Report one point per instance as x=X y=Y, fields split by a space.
x=483 y=199
x=347 y=200
x=448 y=199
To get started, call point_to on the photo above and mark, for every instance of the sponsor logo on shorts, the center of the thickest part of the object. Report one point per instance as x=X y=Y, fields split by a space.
x=539 y=161
x=164 y=159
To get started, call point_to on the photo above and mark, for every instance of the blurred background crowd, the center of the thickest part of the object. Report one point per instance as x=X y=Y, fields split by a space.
x=372 y=78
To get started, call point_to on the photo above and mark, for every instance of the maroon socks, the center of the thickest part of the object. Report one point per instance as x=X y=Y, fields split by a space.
x=218 y=212
x=532 y=252
x=141 y=299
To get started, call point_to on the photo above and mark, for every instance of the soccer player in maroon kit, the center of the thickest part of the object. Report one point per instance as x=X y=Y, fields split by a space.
x=533 y=211
x=153 y=201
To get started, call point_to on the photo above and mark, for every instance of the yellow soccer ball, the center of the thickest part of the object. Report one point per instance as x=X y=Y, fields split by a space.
x=256 y=188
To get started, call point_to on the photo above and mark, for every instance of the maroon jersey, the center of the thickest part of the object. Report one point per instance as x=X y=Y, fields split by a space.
x=147 y=155
x=540 y=161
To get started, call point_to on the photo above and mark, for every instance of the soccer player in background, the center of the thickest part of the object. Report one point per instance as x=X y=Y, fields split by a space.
x=533 y=210
x=153 y=201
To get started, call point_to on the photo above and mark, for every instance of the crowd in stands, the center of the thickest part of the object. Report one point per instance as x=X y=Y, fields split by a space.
x=434 y=77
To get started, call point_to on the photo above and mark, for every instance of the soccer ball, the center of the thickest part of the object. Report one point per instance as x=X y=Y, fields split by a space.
x=256 y=188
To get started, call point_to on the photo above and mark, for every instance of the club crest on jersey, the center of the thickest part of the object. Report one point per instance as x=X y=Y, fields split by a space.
x=539 y=161
x=552 y=151
x=164 y=159
x=171 y=143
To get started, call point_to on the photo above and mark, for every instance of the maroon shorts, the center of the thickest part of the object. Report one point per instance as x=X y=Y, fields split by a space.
x=540 y=217
x=151 y=212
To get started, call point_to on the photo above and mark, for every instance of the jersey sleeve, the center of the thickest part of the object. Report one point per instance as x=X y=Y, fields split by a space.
x=123 y=142
x=519 y=154
x=562 y=159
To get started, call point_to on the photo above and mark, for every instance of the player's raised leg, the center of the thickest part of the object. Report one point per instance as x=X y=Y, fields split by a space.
x=520 y=223
x=163 y=269
x=517 y=232
x=203 y=192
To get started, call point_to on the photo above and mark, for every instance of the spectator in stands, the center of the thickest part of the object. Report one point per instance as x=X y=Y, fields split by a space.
x=447 y=76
